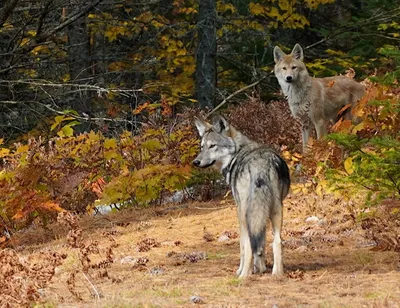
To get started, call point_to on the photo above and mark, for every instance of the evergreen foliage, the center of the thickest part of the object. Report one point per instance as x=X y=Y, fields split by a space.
x=373 y=146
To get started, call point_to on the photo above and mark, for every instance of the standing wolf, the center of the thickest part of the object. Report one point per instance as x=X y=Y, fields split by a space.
x=313 y=100
x=259 y=180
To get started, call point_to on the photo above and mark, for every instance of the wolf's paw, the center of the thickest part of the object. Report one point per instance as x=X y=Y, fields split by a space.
x=244 y=275
x=277 y=271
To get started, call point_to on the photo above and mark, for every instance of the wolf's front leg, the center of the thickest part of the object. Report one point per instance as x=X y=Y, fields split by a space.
x=305 y=134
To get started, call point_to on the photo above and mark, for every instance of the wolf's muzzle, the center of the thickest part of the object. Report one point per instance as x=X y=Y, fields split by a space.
x=197 y=163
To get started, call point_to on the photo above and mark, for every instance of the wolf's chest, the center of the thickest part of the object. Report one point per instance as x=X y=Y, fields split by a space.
x=299 y=107
x=298 y=99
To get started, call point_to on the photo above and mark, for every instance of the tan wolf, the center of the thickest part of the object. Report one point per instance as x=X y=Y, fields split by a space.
x=313 y=100
x=259 y=179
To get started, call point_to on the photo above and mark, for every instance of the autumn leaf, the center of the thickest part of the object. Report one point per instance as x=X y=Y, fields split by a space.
x=110 y=143
x=348 y=165
x=51 y=206
x=22 y=149
x=66 y=131
x=344 y=108
x=256 y=9
x=331 y=83
x=4 y=152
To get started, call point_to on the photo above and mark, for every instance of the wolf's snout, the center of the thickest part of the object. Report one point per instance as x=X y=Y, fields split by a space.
x=196 y=162
x=289 y=78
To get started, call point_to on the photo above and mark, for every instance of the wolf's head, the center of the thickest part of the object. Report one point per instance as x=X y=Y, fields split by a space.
x=218 y=143
x=289 y=68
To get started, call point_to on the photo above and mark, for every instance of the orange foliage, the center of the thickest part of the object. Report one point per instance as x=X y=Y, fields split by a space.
x=41 y=178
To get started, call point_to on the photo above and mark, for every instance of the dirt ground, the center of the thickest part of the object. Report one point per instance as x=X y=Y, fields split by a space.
x=187 y=255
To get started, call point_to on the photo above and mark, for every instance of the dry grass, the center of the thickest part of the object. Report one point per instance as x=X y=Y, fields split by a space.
x=327 y=264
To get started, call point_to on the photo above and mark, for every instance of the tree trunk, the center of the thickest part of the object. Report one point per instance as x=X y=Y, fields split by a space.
x=79 y=62
x=206 y=71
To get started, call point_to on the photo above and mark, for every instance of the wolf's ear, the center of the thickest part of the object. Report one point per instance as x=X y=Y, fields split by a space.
x=278 y=54
x=202 y=126
x=219 y=124
x=297 y=52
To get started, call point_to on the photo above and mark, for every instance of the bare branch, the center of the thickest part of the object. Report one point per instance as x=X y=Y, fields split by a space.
x=82 y=87
x=70 y=114
x=378 y=17
x=75 y=16
x=233 y=94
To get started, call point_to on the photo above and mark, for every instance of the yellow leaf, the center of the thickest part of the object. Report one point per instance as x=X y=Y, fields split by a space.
x=358 y=127
x=348 y=165
x=256 y=9
x=284 y=5
x=110 y=143
x=152 y=144
x=67 y=131
x=22 y=149
x=286 y=155
x=40 y=48
x=318 y=170
x=93 y=136
x=25 y=41
x=4 y=152
x=274 y=12
x=110 y=154
x=297 y=188
x=66 y=77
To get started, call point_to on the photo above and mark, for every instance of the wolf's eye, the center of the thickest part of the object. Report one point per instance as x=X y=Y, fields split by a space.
x=284 y=68
x=212 y=146
x=294 y=67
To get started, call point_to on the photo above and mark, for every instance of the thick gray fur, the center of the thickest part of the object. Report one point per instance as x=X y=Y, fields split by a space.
x=259 y=180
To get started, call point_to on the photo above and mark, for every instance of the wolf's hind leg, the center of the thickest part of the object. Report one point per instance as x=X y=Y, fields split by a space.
x=321 y=129
x=245 y=262
x=242 y=234
x=276 y=219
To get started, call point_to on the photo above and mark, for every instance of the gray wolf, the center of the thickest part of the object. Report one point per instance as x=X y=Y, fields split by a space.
x=259 y=180
x=313 y=100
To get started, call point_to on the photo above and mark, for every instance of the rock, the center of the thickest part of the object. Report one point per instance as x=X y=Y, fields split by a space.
x=312 y=219
x=223 y=238
x=157 y=271
x=128 y=259
x=196 y=299
x=301 y=248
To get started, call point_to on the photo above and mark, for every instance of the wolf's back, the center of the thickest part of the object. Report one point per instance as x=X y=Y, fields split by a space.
x=261 y=171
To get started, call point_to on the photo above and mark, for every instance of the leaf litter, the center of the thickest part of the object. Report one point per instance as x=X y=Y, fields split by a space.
x=80 y=268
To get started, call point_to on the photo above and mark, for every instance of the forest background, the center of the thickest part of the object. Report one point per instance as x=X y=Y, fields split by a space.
x=97 y=98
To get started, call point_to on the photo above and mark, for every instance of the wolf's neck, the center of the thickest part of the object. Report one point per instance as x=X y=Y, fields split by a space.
x=296 y=93
x=241 y=142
